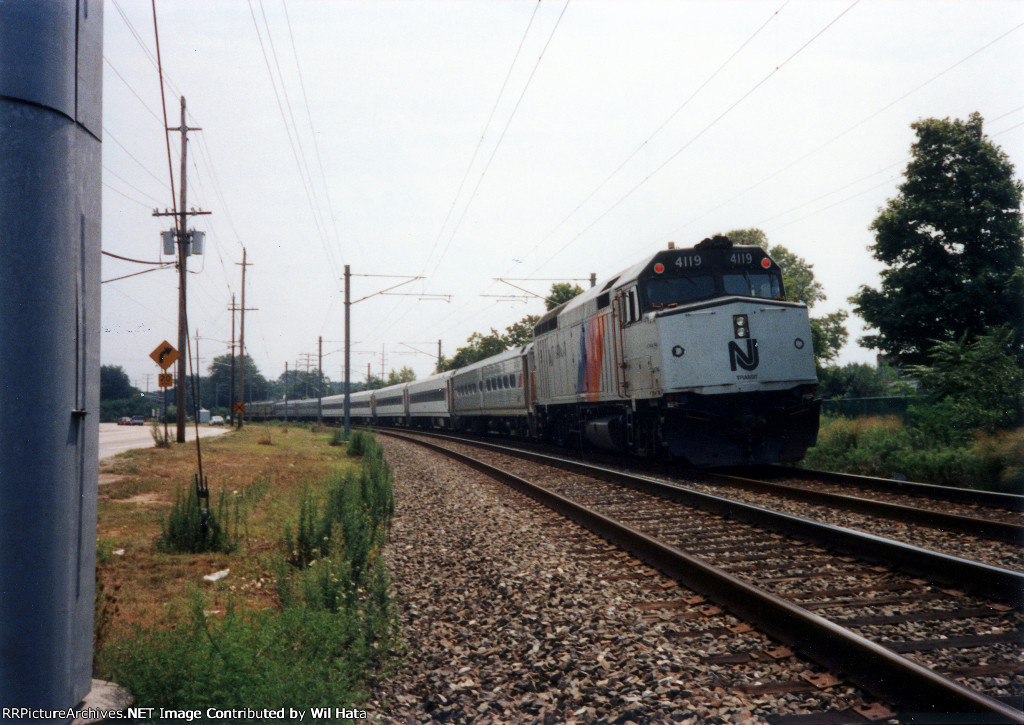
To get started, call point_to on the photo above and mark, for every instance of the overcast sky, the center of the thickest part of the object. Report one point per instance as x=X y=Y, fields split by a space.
x=466 y=141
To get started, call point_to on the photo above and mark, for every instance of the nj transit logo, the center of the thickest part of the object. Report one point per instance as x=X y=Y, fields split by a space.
x=747 y=359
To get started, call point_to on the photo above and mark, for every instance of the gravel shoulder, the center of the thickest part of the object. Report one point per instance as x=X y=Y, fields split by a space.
x=510 y=615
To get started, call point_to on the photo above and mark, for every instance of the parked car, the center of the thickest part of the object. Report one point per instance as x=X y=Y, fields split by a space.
x=138 y=420
x=217 y=420
x=124 y=421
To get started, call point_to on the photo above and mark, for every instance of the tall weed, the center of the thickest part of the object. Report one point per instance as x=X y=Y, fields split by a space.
x=185 y=530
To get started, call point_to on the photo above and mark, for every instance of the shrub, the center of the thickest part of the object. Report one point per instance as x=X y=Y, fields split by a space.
x=932 y=451
x=185 y=529
x=358 y=442
x=161 y=439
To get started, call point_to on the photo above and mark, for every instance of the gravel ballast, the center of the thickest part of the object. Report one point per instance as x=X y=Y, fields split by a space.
x=511 y=614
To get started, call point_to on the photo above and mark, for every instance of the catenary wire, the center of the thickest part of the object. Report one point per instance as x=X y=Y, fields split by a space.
x=672 y=157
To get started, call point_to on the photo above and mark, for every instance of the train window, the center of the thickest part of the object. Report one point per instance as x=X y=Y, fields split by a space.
x=673 y=290
x=602 y=301
x=752 y=284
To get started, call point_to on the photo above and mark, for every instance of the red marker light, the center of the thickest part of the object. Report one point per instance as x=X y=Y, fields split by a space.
x=766 y=263
x=659 y=268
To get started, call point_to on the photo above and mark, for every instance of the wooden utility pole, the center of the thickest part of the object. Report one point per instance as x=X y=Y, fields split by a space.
x=198 y=402
x=348 y=277
x=231 y=393
x=320 y=380
x=184 y=240
x=241 y=348
x=179 y=397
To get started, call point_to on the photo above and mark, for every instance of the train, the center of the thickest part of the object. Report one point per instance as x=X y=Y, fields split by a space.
x=693 y=353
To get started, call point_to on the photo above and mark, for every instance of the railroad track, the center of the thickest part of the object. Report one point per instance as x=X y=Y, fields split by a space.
x=979 y=525
x=911 y=639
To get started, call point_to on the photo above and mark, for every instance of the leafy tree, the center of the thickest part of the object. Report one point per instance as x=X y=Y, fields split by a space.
x=405 y=375
x=520 y=333
x=479 y=347
x=297 y=384
x=952 y=241
x=216 y=389
x=828 y=333
x=561 y=292
x=860 y=380
x=115 y=383
x=978 y=383
x=516 y=335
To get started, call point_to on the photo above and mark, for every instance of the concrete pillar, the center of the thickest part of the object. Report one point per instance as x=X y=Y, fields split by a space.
x=50 y=128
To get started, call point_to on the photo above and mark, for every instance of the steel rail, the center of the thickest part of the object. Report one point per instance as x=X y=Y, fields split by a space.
x=872 y=666
x=985 y=528
x=992 y=499
x=988 y=581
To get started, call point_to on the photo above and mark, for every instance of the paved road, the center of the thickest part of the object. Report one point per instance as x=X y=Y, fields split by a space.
x=116 y=438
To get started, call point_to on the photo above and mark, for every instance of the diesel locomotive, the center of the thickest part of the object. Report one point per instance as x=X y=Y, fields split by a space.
x=693 y=353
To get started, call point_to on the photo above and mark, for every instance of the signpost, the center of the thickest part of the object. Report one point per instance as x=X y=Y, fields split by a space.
x=165 y=355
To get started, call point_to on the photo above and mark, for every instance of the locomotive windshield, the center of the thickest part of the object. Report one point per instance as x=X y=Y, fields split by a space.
x=752 y=284
x=686 y=275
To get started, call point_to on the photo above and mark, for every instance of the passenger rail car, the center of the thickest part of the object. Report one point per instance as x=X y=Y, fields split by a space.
x=692 y=353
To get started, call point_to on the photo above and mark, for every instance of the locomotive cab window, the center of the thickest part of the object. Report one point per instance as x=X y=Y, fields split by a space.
x=671 y=291
x=752 y=284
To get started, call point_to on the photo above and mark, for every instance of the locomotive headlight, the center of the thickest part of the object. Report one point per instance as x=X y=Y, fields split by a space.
x=740 y=328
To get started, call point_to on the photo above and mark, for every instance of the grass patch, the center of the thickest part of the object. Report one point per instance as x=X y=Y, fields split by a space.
x=270 y=634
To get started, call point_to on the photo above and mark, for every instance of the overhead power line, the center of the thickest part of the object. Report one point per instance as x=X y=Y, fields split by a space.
x=303 y=169
x=699 y=134
x=661 y=127
x=483 y=135
x=501 y=137
x=855 y=126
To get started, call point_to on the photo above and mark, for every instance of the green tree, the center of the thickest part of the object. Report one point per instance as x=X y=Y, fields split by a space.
x=828 y=333
x=977 y=382
x=478 y=347
x=951 y=240
x=115 y=383
x=860 y=380
x=216 y=388
x=561 y=292
x=405 y=375
x=520 y=333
